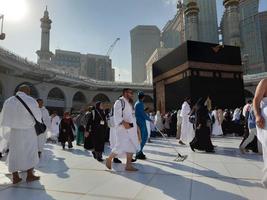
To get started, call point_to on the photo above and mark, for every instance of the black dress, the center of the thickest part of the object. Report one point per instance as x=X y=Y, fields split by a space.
x=97 y=126
x=66 y=128
x=202 y=139
x=89 y=141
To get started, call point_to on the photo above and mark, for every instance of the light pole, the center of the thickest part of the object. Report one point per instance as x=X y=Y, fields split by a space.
x=2 y=35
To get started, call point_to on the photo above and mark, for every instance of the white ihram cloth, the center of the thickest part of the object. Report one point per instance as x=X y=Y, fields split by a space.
x=4 y=136
x=54 y=132
x=112 y=137
x=126 y=139
x=23 y=145
x=262 y=137
x=47 y=121
x=158 y=121
x=148 y=128
x=187 y=130
x=216 y=126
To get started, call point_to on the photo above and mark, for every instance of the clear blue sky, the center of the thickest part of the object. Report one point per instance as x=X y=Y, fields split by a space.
x=89 y=26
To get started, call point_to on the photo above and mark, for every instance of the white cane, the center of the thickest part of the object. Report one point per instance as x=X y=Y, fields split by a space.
x=179 y=158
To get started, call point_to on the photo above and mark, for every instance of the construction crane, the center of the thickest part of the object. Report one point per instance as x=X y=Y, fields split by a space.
x=112 y=47
x=2 y=35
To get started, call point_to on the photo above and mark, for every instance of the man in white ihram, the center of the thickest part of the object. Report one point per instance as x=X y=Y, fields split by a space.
x=23 y=145
x=187 y=130
x=126 y=131
x=47 y=121
x=260 y=110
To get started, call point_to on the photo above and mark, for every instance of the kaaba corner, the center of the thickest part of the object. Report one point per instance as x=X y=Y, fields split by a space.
x=198 y=69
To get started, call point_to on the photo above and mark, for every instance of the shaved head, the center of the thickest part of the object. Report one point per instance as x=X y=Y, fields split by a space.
x=25 y=88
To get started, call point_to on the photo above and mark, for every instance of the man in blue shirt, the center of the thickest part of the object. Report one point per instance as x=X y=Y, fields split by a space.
x=141 y=118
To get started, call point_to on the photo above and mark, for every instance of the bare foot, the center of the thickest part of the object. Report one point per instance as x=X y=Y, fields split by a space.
x=131 y=169
x=32 y=178
x=108 y=163
x=16 y=180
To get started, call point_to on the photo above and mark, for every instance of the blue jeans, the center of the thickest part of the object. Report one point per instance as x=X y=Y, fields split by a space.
x=144 y=136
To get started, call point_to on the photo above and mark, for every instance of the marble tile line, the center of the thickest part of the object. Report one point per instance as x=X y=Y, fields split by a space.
x=148 y=183
x=68 y=192
x=124 y=172
x=228 y=178
x=50 y=190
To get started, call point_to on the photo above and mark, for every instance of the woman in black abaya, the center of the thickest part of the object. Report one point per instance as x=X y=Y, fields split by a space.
x=96 y=127
x=202 y=139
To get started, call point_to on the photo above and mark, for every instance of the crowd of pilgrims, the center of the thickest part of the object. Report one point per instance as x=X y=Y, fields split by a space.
x=205 y=123
x=192 y=125
x=196 y=124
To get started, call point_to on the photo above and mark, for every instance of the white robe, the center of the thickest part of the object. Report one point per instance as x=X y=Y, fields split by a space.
x=148 y=128
x=47 y=121
x=216 y=126
x=158 y=121
x=262 y=137
x=126 y=139
x=112 y=137
x=23 y=145
x=54 y=132
x=187 y=130
x=4 y=136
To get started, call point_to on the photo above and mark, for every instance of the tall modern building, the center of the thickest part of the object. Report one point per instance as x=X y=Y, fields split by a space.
x=208 y=23
x=170 y=34
x=67 y=58
x=173 y=33
x=98 y=67
x=192 y=14
x=89 y=65
x=243 y=24
x=144 y=41
x=263 y=28
x=207 y=20
x=230 y=26
x=251 y=45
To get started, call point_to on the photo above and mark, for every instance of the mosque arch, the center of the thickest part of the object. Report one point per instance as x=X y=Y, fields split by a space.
x=56 y=101
x=101 y=97
x=78 y=101
x=56 y=94
x=79 y=97
x=34 y=92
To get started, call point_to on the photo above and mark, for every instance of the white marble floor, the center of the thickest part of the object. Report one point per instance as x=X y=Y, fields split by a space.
x=75 y=175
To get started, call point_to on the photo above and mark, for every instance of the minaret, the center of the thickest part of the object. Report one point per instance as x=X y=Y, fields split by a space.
x=44 y=53
x=191 y=20
x=233 y=22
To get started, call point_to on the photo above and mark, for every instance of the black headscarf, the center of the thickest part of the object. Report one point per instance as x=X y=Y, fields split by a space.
x=200 y=103
x=97 y=108
x=202 y=114
x=97 y=105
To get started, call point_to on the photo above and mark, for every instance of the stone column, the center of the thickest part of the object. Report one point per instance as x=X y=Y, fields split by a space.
x=191 y=20
x=233 y=22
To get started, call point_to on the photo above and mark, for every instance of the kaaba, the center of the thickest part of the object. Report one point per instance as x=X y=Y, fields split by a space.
x=198 y=69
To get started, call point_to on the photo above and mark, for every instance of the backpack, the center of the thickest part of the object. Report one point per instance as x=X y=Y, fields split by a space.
x=110 y=116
